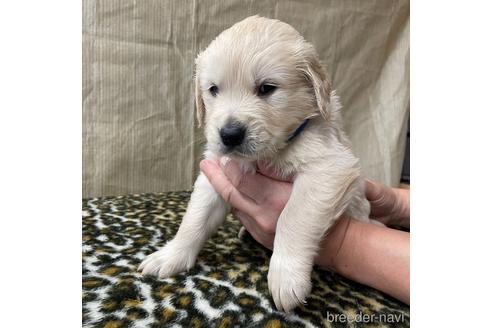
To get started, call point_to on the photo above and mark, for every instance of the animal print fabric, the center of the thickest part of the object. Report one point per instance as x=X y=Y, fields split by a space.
x=226 y=288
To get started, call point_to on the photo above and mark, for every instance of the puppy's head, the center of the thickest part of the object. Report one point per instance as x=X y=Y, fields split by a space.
x=255 y=84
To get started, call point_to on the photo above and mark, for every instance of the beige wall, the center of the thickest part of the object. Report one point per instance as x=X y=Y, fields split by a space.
x=139 y=129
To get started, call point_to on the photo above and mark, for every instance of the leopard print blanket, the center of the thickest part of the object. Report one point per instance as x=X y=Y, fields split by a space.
x=226 y=288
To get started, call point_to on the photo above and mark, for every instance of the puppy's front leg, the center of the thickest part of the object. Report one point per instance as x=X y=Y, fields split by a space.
x=314 y=205
x=205 y=213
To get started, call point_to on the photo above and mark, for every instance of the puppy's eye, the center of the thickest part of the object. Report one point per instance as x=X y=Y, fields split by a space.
x=266 y=89
x=214 y=90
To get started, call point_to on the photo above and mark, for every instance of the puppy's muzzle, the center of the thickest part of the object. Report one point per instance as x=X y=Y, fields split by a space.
x=232 y=134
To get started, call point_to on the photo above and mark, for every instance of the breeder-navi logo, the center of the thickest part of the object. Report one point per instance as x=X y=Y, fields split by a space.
x=365 y=318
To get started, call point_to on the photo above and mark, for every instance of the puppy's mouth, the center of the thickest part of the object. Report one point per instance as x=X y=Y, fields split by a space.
x=240 y=151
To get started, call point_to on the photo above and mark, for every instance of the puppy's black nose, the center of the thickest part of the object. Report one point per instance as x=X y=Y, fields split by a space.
x=232 y=134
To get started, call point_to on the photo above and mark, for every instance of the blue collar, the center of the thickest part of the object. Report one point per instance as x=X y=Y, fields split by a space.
x=298 y=130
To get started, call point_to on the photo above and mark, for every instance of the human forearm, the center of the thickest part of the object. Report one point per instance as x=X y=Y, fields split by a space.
x=375 y=256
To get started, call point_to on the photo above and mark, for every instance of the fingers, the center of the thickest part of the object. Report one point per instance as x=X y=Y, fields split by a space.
x=255 y=186
x=374 y=191
x=254 y=229
x=388 y=205
x=379 y=195
x=381 y=199
x=245 y=220
x=224 y=187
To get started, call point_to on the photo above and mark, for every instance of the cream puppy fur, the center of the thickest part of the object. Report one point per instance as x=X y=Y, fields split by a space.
x=256 y=83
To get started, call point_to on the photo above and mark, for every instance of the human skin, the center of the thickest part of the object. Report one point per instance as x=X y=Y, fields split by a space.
x=378 y=257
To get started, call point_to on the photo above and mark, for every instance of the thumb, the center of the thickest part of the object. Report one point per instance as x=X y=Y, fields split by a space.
x=232 y=170
x=374 y=191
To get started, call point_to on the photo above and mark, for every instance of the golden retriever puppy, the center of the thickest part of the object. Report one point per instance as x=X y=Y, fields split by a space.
x=263 y=95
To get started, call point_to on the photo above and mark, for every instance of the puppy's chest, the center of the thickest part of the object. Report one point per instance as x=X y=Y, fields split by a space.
x=296 y=158
x=284 y=167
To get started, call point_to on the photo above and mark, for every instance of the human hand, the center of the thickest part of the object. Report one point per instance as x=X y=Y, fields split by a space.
x=257 y=198
x=389 y=205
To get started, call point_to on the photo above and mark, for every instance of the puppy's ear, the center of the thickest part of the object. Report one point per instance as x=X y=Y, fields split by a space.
x=319 y=81
x=200 y=105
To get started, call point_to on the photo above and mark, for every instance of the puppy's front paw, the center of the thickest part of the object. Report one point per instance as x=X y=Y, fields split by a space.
x=167 y=261
x=289 y=281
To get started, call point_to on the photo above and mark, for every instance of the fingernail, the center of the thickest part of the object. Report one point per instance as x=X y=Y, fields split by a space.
x=224 y=160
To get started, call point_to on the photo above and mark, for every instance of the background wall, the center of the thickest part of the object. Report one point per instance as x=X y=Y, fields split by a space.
x=139 y=128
